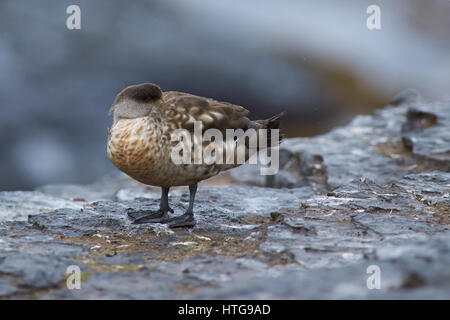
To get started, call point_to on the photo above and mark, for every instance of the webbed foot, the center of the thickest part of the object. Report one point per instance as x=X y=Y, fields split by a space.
x=146 y=216
x=184 y=221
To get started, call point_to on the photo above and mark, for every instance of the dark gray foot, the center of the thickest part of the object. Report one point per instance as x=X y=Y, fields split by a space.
x=187 y=219
x=144 y=216
x=161 y=216
x=184 y=221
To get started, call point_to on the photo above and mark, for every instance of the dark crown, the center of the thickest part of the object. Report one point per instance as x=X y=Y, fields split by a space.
x=140 y=92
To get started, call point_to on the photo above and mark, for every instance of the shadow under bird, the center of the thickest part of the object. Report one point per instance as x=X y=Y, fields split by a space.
x=140 y=142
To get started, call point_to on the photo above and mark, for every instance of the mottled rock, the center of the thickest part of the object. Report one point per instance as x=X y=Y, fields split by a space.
x=373 y=193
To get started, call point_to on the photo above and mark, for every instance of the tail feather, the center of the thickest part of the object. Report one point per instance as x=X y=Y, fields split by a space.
x=272 y=123
x=268 y=124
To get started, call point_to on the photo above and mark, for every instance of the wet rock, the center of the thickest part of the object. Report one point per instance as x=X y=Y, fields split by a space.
x=353 y=198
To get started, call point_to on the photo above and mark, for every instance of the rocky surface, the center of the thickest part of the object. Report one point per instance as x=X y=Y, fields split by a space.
x=375 y=192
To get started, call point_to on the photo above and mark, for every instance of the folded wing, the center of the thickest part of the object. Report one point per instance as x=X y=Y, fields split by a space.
x=186 y=108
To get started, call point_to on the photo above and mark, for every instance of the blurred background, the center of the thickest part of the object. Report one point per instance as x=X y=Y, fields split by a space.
x=315 y=59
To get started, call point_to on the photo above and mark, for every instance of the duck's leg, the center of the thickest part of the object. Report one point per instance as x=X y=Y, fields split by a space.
x=186 y=219
x=144 y=216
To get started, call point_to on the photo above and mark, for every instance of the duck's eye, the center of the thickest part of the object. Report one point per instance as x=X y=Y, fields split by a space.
x=148 y=99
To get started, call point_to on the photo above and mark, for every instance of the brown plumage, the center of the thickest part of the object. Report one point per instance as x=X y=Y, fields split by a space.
x=139 y=142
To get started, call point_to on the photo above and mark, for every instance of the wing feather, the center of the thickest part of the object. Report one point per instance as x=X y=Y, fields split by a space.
x=187 y=108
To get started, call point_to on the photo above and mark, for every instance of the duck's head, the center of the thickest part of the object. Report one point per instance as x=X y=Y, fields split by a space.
x=135 y=101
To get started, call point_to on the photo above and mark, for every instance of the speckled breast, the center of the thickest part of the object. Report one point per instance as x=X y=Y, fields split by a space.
x=137 y=147
x=142 y=148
